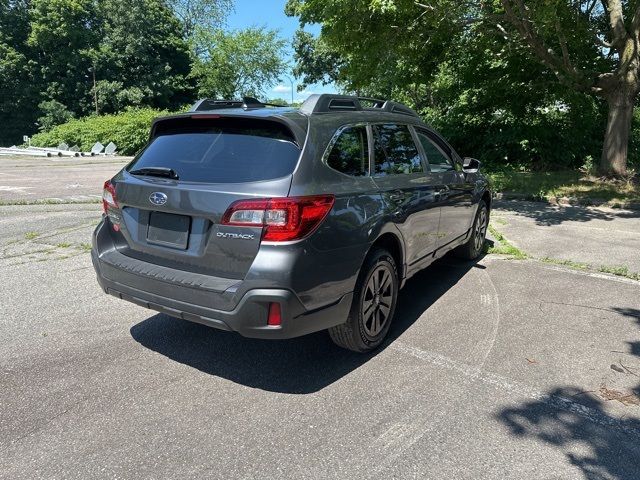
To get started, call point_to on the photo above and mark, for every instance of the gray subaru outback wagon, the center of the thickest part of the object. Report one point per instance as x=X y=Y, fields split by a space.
x=277 y=222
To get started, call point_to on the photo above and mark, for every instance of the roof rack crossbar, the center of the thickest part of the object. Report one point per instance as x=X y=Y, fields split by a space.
x=327 y=102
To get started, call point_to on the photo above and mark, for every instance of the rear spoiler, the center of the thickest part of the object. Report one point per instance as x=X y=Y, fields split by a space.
x=298 y=133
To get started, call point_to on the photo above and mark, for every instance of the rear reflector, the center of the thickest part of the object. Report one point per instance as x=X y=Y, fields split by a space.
x=109 y=196
x=275 y=317
x=283 y=219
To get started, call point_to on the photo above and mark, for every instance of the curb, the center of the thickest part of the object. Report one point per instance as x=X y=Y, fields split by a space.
x=568 y=201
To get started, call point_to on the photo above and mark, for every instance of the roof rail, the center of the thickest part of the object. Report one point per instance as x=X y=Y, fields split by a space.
x=327 y=102
x=247 y=103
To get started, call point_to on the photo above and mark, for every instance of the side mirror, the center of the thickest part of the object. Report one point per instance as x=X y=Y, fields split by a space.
x=470 y=165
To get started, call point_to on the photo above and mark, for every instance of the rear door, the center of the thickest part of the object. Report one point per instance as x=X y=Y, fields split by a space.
x=455 y=194
x=175 y=222
x=407 y=188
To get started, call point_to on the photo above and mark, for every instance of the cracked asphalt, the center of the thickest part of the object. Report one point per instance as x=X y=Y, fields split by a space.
x=496 y=369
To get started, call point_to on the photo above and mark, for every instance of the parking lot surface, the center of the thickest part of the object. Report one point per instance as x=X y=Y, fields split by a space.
x=55 y=179
x=596 y=235
x=494 y=369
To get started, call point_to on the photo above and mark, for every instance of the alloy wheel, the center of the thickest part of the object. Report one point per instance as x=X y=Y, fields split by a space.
x=480 y=232
x=377 y=300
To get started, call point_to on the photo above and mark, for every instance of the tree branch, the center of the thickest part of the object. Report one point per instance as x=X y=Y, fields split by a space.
x=564 y=48
x=616 y=21
x=635 y=22
x=589 y=10
x=562 y=67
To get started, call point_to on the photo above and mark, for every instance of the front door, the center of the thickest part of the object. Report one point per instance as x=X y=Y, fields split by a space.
x=455 y=193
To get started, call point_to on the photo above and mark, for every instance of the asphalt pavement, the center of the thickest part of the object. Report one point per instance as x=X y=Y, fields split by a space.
x=598 y=236
x=494 y=369
x=55 y=179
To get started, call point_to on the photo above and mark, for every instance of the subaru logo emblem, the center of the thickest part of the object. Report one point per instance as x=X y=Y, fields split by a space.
x=158 y=198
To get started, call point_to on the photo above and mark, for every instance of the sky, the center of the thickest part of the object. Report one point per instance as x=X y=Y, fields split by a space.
x=270 y=14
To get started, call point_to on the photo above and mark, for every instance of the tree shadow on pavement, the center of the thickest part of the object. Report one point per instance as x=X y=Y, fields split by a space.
x=634 y=347
x=301 y=365
x=547 y=215
x=601 y=445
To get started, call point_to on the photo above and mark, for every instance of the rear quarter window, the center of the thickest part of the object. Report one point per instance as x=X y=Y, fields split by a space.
x=350 y=152
x=224 y=150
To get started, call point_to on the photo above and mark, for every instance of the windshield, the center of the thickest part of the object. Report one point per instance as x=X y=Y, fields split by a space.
x=221 y=150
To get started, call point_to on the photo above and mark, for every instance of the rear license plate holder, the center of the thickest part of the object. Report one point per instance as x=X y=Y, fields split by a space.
x=168 y=230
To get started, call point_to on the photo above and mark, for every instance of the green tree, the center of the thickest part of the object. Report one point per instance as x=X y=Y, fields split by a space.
x=206 y=14
x=592 y=46
x=53 y=113
x=62 y=35
x=316 y=62
x=493 y=101
x=19 y=94
x=142 y=57
x=244 y=62
x=585 y=47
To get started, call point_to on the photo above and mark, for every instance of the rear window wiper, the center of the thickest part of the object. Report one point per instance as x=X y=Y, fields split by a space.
x=156 y=172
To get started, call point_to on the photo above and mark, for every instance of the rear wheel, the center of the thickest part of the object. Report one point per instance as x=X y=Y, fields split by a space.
x=473 y=248
x=373 y=305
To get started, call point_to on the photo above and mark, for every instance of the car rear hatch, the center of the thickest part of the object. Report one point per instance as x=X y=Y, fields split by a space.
x=170 y=200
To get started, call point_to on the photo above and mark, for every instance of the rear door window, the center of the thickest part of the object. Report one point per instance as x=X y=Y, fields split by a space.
x=350 y=152
x=224 y=150
x=437 y=159
x=394 y=150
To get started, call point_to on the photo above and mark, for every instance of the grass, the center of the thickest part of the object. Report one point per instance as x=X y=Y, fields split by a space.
x=571 y=184
x=503 y=247
x=620 y=271
x=85 y=246
x=63 y=245
x=31 y=235
x=566 y=263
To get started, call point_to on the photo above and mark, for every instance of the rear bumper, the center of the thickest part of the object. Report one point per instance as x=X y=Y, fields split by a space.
x=210 y=302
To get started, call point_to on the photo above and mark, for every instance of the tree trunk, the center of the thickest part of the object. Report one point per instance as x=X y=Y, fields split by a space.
x=616 y=141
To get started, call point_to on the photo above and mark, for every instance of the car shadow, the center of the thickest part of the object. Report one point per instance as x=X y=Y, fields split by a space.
x=600 y=445
x=548 y=215
x=298 y=366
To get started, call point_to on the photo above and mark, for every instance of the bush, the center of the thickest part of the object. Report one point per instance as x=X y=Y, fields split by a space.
x=129 y=130
x=633 y=159
x=53 y=113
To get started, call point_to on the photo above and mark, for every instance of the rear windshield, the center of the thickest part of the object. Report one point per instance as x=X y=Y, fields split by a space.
x=224 y=150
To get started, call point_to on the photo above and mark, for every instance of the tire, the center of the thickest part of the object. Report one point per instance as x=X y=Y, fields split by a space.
x=373 y=307
x=472 y=249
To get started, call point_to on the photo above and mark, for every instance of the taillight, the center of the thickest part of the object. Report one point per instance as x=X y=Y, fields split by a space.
x=283 y=219
x=109 y=196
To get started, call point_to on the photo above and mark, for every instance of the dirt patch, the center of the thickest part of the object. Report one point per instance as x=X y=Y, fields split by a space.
x=627 y=399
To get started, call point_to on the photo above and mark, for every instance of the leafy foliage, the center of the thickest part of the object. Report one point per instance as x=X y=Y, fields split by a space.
x=142 y=54
x=508 y=81
x=129 y=130
x=54 y=113
x=64 y=58
x=201 y=14
x=238 y=63
x=19 y=95
x=485 y=92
